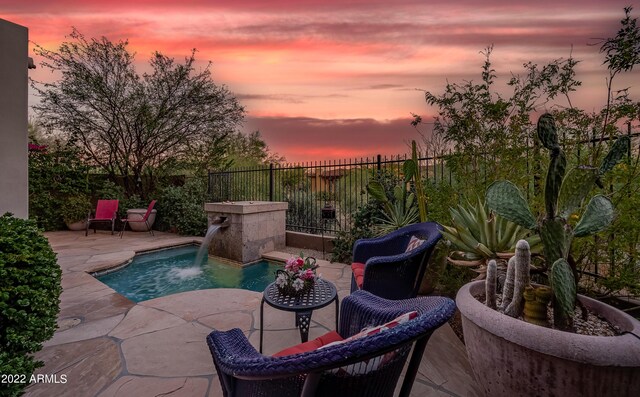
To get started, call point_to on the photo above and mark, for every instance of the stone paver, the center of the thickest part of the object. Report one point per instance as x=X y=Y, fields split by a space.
x=152 y=386
x=142 y=320
x=95 y=309
x=88 y=366
x=175 y=351
x=87 y=330
x=110 y=346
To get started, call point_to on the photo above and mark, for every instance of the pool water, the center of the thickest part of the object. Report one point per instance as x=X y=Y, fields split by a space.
x=173 y=270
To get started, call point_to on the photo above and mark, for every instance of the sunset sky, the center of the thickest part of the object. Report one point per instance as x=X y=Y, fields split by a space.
x=329 y=79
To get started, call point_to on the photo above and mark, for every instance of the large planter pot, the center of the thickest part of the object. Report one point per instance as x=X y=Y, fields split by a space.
x=77 y=226
x=513 y=358
x=137 y=214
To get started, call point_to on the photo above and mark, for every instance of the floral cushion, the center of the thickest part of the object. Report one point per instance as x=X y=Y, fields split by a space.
x=374 y=363
x=414 y=243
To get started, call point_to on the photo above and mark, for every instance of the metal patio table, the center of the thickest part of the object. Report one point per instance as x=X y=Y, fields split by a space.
x=321 y=295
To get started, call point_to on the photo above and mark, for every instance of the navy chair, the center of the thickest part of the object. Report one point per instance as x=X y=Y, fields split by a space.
x=245 y=372
x=383 y=267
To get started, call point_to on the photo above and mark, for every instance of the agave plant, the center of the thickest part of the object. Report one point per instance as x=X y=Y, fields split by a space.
x=479 y=235
x=399 y=213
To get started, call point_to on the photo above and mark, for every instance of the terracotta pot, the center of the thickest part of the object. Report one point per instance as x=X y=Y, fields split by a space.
x=513 y=358
x=76 y=226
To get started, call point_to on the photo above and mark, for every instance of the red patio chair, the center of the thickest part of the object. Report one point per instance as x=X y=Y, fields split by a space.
x=144 y=219
x=106 y=211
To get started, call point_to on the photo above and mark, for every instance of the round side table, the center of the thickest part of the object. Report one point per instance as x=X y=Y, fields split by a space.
x=321 y=295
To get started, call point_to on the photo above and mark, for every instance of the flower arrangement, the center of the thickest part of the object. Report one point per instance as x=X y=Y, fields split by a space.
x=298 y=276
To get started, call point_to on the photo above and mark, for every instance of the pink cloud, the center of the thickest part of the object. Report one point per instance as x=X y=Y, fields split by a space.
x=311 y=139
x=336 y=69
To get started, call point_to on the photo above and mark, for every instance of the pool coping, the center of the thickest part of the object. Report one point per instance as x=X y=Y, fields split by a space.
x=98 y=273
x=272 y=256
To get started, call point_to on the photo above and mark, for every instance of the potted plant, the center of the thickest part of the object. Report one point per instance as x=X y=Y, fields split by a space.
x=75 y=211
x=534 y=359
x=478 y=236
x=298 y=276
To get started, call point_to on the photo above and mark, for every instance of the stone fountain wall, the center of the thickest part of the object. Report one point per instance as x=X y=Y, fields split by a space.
x=254 y=228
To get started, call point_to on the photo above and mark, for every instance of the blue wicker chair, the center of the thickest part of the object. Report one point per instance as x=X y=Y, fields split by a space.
x=389 y=271
x=245 y=372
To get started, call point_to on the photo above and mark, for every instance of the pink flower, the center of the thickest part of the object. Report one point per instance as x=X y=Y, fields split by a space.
x=293 y=265
x=307 y=275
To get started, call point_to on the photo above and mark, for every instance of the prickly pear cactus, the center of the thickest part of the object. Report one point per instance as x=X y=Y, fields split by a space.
x=618 y=150
x=576 y=186
x=597 y=216
x=564 y=194
x=547 y=133
x=564 y=291
x=505 y=199
x=555 y=239
x=555 y=174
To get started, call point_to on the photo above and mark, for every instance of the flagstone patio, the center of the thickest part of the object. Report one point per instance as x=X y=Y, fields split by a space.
x=107 y=345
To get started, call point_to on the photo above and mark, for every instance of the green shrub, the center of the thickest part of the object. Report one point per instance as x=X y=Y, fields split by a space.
x=303 y=209
x=55 y=173
x=106 y=189
x=75 y=208
x=132 y=202
x=29 y=292
x=181 y=207
x=364 y=220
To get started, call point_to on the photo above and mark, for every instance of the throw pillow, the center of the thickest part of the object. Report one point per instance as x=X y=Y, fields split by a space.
x=374 y=363
x=414 y=243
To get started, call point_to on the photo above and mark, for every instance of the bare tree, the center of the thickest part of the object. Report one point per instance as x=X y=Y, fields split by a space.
x=128 y=123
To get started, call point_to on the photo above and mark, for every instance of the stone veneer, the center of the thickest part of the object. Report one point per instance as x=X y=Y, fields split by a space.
x=255 y=227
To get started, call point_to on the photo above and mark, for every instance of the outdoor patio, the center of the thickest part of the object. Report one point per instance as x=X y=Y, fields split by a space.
x=107 y=345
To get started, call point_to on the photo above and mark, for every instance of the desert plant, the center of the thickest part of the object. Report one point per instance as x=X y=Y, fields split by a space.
x=399 y=211
x=564 y=193
x=479 y=236
x=29 y=292
x=519 y=297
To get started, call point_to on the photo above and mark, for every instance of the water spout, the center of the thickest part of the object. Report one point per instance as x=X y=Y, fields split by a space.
x=204 y=247
x=223 y=221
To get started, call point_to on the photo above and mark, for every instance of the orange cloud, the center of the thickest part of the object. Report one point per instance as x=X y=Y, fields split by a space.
x=330 y=60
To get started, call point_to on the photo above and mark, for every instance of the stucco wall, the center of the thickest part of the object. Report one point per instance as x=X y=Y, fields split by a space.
x=14 y=186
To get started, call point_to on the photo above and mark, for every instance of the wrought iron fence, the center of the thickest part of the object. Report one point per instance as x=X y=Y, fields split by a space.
x=322 y=196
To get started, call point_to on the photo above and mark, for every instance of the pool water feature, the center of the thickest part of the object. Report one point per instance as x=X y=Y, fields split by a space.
x=174 y=270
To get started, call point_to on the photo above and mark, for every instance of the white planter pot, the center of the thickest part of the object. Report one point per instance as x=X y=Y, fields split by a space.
x=511 y=357
x=77 y=226
x=138 y=214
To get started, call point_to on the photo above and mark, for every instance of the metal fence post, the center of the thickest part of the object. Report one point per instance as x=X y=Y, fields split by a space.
x=271 y=181
x=379 y=162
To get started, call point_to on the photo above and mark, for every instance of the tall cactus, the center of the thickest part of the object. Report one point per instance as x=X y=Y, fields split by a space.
x=564 y=194
x=490 y=284
x=507 y=289
x=521 y=278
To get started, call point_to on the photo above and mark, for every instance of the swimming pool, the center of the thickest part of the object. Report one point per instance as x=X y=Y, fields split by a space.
x=170 y=271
